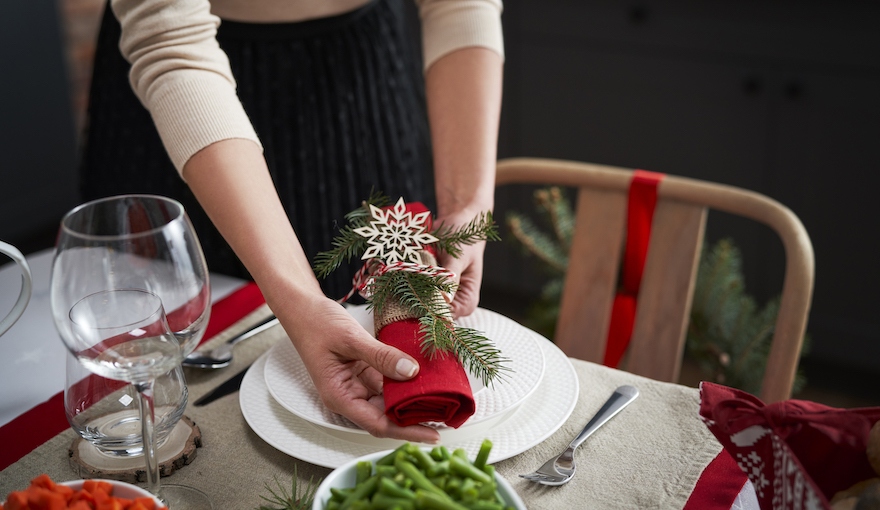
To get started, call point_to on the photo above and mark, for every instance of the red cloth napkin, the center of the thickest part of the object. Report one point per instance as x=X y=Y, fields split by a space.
x=797 y=453
x=440 y=392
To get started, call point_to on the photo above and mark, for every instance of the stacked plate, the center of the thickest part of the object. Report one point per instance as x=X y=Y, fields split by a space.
x=518 y=411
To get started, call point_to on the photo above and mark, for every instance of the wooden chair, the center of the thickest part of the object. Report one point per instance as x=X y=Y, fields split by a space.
x=666 y=291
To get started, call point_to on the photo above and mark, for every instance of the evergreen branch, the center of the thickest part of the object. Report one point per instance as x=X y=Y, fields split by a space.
x=289 y=500
x=347 y=245
x=421 y=295
x=418 y=292
x=537 y=242
x=560 y=214
x=481 y=228
x=473 y=350
x=361 y=216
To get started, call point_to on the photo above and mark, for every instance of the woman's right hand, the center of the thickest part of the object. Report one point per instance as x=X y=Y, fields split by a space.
x=347 y=364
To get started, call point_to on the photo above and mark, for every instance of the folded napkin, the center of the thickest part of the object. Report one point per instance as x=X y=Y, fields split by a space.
x=440 y=392
x=798 y=454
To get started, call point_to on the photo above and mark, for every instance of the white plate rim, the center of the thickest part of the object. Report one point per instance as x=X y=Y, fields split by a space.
x=294 y=436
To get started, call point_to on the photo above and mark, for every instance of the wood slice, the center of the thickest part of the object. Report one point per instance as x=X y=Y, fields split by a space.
x=179 y=450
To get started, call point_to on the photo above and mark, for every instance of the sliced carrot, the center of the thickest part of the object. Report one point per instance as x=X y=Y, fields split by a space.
x=147 y=503
x=43 y=481
x=80 y=505
x=17 y=500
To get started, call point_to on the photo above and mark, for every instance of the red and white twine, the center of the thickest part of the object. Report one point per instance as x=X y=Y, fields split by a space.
x=374 y=268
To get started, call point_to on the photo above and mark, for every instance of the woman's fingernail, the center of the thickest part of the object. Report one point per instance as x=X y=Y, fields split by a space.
x=406 y=368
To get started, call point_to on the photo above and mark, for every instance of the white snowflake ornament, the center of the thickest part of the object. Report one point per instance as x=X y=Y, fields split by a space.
x=396 y=234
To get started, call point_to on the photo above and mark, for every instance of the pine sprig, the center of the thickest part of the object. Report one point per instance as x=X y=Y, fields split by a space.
x=348 y=244
x=280 y=498
x=476 y=352
x=421 y=294
x=481 y=228
x=537 y=242
x=418 y=292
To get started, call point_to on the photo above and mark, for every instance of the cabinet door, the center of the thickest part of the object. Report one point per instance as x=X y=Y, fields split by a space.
x=826 y=167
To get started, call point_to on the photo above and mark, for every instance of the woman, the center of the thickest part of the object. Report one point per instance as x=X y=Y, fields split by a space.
x=330 y=103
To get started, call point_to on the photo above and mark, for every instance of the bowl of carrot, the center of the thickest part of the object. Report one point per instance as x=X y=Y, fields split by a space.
x=90 y=494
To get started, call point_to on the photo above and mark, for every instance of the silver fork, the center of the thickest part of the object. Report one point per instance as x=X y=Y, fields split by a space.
x=560 y=469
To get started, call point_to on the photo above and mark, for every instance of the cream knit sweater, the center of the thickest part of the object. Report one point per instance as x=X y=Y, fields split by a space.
x=183 y=78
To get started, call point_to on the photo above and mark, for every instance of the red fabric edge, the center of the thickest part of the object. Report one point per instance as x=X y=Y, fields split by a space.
x=46 y=420
x=718 y=485
x=641 y=202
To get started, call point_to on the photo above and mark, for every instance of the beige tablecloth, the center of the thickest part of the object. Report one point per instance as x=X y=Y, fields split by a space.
x=649 y=456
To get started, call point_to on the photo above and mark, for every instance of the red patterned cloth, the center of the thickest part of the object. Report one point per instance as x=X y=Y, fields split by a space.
x=796 y=453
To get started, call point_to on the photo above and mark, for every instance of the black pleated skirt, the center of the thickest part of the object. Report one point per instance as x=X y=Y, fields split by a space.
x=338 y=104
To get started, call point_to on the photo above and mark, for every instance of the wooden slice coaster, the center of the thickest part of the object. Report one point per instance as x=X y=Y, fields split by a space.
x=179 y=450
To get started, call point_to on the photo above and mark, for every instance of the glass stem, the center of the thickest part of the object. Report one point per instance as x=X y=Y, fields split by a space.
x=147 y=414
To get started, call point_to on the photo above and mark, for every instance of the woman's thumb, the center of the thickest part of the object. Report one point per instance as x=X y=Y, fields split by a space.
x=392 y=362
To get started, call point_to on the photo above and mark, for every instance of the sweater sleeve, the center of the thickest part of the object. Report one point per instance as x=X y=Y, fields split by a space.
x=181 y=75
x=448 y=25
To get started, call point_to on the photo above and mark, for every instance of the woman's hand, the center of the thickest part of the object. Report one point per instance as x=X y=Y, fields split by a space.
x=347 y=365
x=468 y=269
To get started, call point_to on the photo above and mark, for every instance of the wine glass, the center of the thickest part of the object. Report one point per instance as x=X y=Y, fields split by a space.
x=130 y=298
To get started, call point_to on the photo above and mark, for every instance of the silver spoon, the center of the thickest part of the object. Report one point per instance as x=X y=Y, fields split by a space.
x=221 y=356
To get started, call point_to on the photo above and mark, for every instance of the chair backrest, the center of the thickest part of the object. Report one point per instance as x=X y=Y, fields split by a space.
x=664 y=301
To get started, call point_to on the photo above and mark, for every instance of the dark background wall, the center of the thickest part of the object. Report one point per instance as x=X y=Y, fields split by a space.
x=776 y=96
x=37 y=141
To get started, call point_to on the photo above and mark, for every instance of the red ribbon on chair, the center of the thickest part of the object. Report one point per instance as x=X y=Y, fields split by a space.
x=640 y=213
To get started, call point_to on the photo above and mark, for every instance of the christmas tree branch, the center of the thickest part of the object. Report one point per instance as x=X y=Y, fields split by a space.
x=481 y=228
x=346 y=245
x=537 y=242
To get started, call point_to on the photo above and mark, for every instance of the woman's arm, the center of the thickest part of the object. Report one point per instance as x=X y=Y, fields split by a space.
x=464 y=106
x=232 y=183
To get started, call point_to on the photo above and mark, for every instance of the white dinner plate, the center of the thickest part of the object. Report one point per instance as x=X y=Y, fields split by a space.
x=289 y=383
x=536 y=419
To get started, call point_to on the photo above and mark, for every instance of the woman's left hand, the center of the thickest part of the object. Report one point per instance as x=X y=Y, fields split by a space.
x=468 y=269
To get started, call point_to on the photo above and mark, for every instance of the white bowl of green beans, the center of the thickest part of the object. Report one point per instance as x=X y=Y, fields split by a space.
x=414 y=478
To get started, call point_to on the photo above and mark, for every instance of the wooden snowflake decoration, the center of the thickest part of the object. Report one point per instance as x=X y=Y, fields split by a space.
x=395 y=234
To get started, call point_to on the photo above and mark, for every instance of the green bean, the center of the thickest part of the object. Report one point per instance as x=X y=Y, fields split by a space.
x=340 y=494
x=422 y=457
x=412 y=478
x=389 y=459
x=363 y=470
x=483 y=454
x=389 y=488
x=464 y=468
x=386 y=471
x=382 y=501
x=419 y=479
x=430 y=501
x=439 y=468
x=482 y=504
x=361 y=492
x=469 y=490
